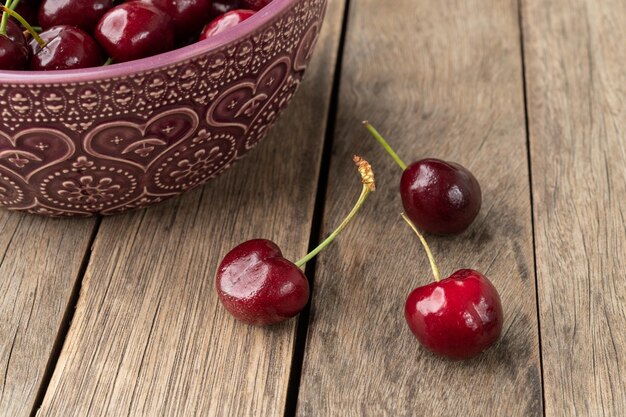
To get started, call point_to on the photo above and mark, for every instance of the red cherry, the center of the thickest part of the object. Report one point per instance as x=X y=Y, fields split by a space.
x=255 y=4
x=440 y=197
x=83 y=14
x=225 y=22
x=257 y=285
x=219 y=7
x=15 y=33
x=135 y=30
x=188 y=15
x=66 y=47
x=14 y=54
x=458 y=317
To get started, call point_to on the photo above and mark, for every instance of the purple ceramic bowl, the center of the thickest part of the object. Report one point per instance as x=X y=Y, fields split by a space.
x=110 y=139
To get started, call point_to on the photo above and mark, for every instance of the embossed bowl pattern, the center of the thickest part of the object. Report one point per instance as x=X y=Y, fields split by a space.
x=111 y=139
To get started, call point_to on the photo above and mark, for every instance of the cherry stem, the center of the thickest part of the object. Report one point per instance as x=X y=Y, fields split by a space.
x=367 y=178
x=24 y=23
x=431 y=258
x=5 y=19
x=385 y=145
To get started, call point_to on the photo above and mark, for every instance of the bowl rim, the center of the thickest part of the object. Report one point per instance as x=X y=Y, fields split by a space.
x=139 y=66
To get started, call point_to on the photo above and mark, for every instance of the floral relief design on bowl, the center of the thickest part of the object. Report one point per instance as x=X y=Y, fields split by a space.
x=111 y=145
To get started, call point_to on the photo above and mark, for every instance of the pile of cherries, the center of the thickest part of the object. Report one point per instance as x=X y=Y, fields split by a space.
x=43 y=35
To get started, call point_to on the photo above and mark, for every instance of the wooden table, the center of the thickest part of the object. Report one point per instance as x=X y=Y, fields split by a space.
x=118 y=316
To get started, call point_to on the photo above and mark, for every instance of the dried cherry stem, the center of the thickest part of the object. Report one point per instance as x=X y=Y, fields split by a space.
x=384 y=144
x=29 y=28
x=369 y=185
x=433 y=265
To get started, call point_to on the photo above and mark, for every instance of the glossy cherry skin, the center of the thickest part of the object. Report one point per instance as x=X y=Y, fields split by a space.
x=257 y=285
x=67 y=47
x=135 y=30
x=188 y=15
x=83 y=14
x=440 y=197
x=15 y=32
x=219 y=7
x=255 y=4
x=458 y=317
x=225 y=22
x=14 y=52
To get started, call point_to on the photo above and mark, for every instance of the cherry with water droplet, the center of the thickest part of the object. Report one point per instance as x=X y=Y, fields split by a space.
x=14 y=52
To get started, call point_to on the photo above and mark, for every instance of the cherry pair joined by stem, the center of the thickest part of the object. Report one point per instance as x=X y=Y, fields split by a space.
x=257 y=285
x=440 y=197
x=460 y=316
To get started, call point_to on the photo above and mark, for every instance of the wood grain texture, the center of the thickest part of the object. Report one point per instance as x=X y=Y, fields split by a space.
x=149 y=337
x=576 y=82
x=439 y=79
x=40 y=260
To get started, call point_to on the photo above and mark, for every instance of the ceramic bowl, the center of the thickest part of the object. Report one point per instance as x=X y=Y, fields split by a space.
x=110 y=139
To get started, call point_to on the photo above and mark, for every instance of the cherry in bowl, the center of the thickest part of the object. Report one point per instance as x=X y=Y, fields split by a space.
x=225 y=22
x=64 y=47
x=135 y=30
x=14 y=52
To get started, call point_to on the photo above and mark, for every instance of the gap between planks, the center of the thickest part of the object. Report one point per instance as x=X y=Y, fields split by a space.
x=293 y=389
x=66 y=321
x=520 y=15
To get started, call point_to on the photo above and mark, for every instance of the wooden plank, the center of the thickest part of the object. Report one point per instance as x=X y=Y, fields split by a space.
x=575 y=60
x=439 y=79
x=40 y=260
x=149 y=336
